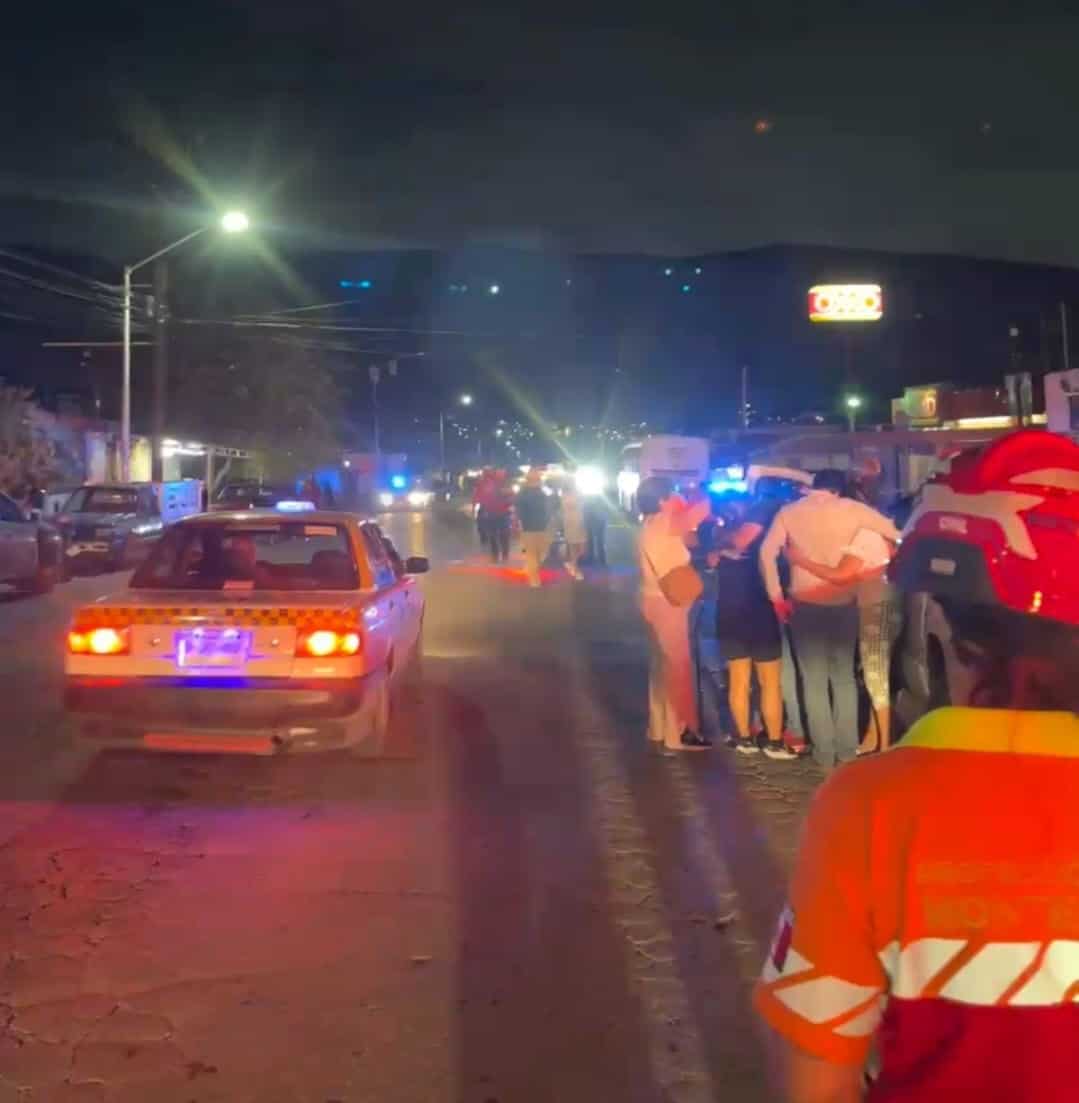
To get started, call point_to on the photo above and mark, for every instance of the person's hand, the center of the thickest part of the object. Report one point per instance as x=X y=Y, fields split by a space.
x=783 y=607
x=795 y=556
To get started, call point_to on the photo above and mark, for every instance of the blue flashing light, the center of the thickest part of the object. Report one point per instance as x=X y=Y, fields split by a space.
x=344 y=283
x=736 y=471
x=365 y=285
x=290 y=506
x=686 y=289
x=728 y=486
x=398 y=482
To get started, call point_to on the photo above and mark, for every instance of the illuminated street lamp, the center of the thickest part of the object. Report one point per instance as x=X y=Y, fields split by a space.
x=462 y=400
x=853 y=403
x=232 y=222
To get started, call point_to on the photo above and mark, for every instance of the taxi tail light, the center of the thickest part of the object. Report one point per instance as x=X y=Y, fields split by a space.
x=99 y=641
x=325 y=643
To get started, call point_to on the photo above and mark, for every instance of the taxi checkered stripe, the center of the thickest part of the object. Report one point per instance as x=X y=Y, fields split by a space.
x=234 y=616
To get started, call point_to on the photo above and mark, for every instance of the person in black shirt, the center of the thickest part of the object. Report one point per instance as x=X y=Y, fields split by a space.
x=750 y=635
x=534 y=514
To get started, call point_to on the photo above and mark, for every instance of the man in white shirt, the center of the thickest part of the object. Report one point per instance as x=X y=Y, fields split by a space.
x=823 y=615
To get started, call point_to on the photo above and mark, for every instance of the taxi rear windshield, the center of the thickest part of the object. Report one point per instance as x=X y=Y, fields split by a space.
x=290 y=556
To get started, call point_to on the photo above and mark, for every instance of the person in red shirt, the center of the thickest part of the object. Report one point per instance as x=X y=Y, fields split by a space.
x=933 y=919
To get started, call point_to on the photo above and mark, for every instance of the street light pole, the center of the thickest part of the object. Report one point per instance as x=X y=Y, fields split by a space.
x=462 y=400
x=232 y=222
x=125 y=401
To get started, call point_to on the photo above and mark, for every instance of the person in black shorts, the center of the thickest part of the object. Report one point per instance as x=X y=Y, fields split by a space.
x=750 y=636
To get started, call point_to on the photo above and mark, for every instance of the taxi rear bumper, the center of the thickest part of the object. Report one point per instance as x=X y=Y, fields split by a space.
x=257 y=716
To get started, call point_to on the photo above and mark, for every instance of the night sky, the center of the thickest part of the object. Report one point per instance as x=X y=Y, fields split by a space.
x=661 y=128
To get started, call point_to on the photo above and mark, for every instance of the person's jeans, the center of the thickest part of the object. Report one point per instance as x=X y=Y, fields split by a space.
x=825 y=637
x=792 y=700
x=708 y=660
x=499 y=534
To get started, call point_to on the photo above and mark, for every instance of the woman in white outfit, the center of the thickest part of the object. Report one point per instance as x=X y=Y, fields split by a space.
x=673 y=722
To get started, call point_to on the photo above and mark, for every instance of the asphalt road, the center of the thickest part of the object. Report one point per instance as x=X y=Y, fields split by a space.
x=522 y=904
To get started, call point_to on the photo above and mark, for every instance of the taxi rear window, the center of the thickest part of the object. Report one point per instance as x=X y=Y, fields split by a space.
x=291 y=556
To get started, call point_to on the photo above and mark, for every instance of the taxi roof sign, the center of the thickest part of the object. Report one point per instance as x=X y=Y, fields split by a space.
x=846 y=302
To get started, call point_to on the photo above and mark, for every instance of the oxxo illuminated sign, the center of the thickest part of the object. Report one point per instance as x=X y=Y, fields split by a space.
x=846 y=302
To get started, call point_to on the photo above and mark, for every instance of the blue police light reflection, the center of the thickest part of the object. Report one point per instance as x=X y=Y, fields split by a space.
x=728 y=486
x=398 y=482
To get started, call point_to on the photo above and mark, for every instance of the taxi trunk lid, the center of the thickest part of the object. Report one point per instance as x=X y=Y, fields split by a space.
x=218 y=634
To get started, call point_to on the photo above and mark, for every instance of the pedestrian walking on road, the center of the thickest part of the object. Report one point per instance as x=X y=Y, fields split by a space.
x=573 y=528
x=823 y=615
x=500 y=517
x=482 y=495
x=494 y=507
x=534 y=515
x=667 y=596
x=595 y=521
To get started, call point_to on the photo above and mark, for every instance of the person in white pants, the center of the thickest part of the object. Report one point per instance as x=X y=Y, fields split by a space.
x=673 y=720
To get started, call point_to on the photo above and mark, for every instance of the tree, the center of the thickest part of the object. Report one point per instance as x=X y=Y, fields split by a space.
x=33 y=449
x=270 y=396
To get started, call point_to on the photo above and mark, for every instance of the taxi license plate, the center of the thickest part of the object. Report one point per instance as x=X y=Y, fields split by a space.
x=212 y=647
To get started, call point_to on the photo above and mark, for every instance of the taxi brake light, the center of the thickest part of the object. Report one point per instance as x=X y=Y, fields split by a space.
x=323 y=643
x=99 y=641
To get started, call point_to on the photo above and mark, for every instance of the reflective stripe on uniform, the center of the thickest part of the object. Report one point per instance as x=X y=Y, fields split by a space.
x=995 y=974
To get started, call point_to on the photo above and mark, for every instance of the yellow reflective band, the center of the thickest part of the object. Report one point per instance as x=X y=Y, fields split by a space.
x=1000 y=731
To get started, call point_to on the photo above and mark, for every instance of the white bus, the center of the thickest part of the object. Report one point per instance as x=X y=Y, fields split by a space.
x=683 y=460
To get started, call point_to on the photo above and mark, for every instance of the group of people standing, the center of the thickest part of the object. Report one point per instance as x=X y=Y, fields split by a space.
x=797 y=588
x=538 y=513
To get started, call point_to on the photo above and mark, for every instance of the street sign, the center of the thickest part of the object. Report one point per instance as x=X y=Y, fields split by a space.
x=846 y=302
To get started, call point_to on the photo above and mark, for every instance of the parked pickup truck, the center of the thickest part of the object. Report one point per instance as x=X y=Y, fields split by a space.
x=112 y=526
x=31 y=551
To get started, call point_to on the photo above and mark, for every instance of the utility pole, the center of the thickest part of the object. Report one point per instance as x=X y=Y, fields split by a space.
x=125 y=398
x=161 y=368
x=745 y=396
x=1064 y=337
x=375 y=372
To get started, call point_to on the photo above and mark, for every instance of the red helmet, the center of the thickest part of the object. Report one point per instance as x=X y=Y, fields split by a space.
x=1001 y=528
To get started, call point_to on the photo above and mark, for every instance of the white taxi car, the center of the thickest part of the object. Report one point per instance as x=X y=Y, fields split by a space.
x=255 y=632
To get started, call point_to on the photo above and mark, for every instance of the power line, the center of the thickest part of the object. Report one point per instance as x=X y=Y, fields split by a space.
x=236 y=323
x=56 y=270
x=41 y=285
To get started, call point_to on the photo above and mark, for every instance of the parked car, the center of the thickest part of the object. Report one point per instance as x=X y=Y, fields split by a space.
x=111 y=526
x=31 y=551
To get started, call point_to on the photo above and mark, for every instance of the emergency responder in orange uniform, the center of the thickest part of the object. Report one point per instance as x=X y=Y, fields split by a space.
x=934 y=908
